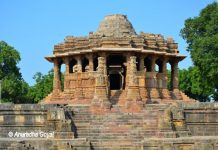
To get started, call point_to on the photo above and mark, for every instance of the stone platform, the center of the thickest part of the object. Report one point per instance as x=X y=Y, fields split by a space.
x=176 y=126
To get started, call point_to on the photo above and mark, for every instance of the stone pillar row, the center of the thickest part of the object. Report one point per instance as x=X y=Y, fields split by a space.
x=79 y=64
x=130 y=76
x=154 y=90
x=57 y=72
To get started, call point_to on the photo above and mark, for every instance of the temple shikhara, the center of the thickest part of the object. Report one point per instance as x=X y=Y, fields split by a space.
x=115 y=65
x=114 y=89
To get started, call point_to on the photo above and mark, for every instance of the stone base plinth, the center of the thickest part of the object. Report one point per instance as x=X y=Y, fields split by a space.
x=144 y=94
x=154 y=93
x=133 y=93
x=165 y=94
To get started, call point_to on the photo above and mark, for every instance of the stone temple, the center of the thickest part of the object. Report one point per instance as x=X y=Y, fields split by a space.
x=115 y=96
x=115 y=65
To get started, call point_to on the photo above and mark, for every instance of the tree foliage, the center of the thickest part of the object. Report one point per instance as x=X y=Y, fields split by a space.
x=201 y=34
x=42 y=87
x=193 y=85
x=9 y=57
x=14 y=88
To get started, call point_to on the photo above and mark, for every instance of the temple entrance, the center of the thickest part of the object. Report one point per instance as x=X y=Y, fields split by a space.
x=116 y=65
x=115 y=82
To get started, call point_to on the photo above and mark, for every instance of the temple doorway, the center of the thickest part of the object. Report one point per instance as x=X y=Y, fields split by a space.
x=116 y=65
x=115 y=82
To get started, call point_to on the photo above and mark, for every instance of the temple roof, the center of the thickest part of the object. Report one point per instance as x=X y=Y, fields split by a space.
x=116 y=33
x=116 y=26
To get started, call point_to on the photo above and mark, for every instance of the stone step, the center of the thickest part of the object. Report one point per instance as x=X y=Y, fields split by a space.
x=117 y=130
x=118 y=144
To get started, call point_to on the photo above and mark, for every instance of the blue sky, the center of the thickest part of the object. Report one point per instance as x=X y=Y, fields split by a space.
x=34 y=27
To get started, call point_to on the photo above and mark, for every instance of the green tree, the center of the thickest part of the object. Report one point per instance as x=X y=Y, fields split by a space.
x=193 y=85
x=14 y=88
x=9 y=57
x=201 y=34
x=43 y=86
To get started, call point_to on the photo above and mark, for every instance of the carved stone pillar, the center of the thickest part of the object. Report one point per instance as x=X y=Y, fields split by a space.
x=133 y=86
x=79 y=91
x=153 y=62
x=165 y=91
x=101 y=94
x=57 y=77
x=154 y=93
x=141 y=63
x=104 y=55
x=175 y=80
x=104 y=62
x=142 y=79
x=91 y=63
x=174 y=75
x=67 y=71
x=142 y=87
x=127 y=70
x=67 y=65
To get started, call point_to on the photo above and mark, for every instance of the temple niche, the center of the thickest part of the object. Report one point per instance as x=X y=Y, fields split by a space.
x=115 y=66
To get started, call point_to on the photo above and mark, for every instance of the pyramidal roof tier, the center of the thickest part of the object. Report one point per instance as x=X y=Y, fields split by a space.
x=115 y=26
x=116 y=33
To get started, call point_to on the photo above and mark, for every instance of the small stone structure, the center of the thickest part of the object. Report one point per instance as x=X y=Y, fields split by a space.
x=113 y=98
x=115 y=65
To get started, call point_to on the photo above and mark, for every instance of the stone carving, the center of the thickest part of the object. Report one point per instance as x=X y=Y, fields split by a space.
x=75 y=68
x=87 y=68
x=101 y=65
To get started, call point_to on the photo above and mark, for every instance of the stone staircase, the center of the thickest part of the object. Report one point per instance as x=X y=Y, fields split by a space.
x=117 y=129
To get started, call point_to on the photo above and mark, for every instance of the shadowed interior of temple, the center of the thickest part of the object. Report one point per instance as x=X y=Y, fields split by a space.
x=116 y=66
